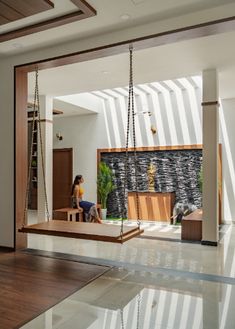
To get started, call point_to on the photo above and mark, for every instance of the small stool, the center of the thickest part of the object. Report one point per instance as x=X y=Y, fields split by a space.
x=68 y=214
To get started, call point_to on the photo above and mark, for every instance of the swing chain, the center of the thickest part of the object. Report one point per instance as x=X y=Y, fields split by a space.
x=134 y=139
x=34 y=122
x=41 y=147
x=131 y=111
x=36 y=108
x=127 y=142
x=138 y=314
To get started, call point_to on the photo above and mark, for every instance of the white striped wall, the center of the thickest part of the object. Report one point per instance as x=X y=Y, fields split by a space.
x=175 y=108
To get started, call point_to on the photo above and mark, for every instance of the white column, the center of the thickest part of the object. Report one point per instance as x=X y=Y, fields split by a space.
x=46 y=106
x=210 y=157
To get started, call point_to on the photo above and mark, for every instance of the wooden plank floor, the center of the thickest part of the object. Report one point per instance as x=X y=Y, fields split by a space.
x=29 y=285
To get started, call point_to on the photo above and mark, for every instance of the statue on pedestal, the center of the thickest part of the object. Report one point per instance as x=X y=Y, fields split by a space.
x=151 y=177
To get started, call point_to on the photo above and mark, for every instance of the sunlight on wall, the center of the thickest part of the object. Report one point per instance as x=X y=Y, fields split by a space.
x=194 y=110
x=184 y=137
x=142 y=121
x=174 y=108
x=105 y=120
x=160 y=137
x=165 y=96
x=227 y=138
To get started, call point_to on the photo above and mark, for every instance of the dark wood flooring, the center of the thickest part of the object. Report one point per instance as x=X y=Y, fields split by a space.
x=29 y=285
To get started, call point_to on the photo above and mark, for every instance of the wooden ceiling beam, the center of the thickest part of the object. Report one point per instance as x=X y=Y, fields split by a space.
x=154 y=40
x=28 y=7
x=3 y=20
x=84 y=11
x=9 y=13
x=84 y=6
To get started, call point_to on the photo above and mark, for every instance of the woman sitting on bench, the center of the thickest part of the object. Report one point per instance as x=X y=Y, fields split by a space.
x=89 y=208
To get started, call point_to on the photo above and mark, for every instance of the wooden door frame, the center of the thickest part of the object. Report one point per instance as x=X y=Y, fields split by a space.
x=20 y=94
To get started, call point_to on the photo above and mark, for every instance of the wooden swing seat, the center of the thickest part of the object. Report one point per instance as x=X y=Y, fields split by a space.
x=87 y=231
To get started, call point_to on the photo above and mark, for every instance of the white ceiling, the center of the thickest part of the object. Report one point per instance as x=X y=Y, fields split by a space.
x=171 y=61
x=108 y=18
x=165 y=62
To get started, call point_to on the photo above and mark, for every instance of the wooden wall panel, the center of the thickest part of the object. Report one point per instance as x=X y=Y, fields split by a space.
x=21 y=142
x=3 y=20
x=26 y=8
x=153 y=206
x=9 y=13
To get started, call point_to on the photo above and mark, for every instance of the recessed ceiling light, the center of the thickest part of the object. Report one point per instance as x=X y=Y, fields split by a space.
x=105 y=72
x=125 y=17
x=136 y=2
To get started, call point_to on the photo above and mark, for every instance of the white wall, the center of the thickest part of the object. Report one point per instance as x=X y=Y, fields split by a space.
x=83 y=133
x=227 y=134
x=7 y=157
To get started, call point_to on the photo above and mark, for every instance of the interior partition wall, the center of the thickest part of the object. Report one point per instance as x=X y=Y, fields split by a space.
x=21 y=70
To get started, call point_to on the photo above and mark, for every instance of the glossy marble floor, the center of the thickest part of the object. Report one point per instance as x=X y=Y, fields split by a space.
x=153 y=284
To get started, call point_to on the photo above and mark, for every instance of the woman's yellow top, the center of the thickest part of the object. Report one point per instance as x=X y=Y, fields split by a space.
x=78 y=191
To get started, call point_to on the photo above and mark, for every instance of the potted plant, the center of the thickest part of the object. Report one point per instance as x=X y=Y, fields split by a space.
x=200 y=179
x=105 y=185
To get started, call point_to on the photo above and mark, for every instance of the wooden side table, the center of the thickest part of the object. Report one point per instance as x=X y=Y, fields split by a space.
x=69 y=214
x=191 y=226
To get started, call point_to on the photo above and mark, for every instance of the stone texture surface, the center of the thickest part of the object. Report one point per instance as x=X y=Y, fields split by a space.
x=176 y=171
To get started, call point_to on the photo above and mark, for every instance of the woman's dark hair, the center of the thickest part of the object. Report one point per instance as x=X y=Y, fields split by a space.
x=76 y=181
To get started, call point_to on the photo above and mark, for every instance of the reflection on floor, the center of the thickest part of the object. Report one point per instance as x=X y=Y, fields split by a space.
x=155 y=229
x=173 y=285
x=124 y=299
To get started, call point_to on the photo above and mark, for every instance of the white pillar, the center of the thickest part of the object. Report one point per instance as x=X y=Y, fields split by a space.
x=210 y=157
x=46 y=106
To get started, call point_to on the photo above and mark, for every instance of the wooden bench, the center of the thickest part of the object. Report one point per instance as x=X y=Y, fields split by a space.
x=69 y=214
x=191 y=226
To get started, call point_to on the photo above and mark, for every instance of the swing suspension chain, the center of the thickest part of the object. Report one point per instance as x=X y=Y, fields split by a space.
x=138 y=313
x=36 y=108
x=41 y=146
x=134 y=139
x=122 y=319
x=131 y=112
x=30 y=157
x=127 y=142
